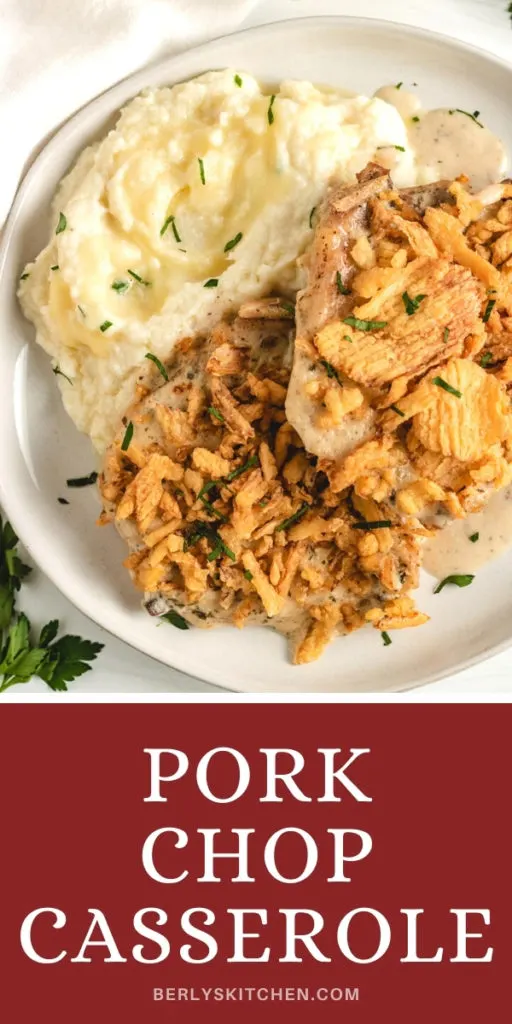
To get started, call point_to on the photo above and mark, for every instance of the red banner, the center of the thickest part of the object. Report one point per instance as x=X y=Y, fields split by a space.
x=369 y=876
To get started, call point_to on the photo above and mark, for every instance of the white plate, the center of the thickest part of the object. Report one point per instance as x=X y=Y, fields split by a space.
x=39 y=447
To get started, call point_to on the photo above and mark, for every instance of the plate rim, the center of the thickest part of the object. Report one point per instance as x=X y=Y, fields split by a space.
x=138 y=80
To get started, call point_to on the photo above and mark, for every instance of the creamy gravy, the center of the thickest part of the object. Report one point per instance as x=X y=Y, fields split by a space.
x=451 y=551
x=448 y=142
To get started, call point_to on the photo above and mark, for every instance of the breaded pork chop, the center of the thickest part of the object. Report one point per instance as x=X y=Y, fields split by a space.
x=329 y=412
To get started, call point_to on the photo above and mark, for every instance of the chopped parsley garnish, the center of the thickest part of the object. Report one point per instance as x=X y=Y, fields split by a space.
x=343 y=290
x=62 y=224
x=128 y=434
x=311 y=215
x=330 y=371
x=83 y=481
x=172 y=221
x=412 y=305
x=120 y=286
x=201 y=170
x=160 y=366
x=415 y=118
x=55 y=267
x=238 y=81
x=398 y=411
x=488 y=310
x=248 y=575
x=346 y=337
x=365 y=325
x=399 y=85
x=220 y=549
x=486 y=360
x=446 y=334
x=294 y=518
x=391 y=145
x=473 y=117
x=375 y=524
x=234 y=241
x=456 y=580
x=58 y=372
x=175 y=619
x=209 y=507
x=270 y=112
x=386 y=639
x=212 y=282
x=81 y=310
x=63 y=501
x=24 y=277
x=105 y=326
x=474 y=537
x=215 y=412
x=252 y=461
x=138 y=278
x=446 y=387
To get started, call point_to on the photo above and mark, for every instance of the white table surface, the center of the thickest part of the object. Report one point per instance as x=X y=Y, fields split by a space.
x=121 y=669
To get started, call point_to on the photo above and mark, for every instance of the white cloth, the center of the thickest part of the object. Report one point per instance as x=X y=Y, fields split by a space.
x=55 y=56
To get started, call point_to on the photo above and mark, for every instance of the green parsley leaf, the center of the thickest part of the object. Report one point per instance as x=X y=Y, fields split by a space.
x=386 y=639
x=158 y=364
x=234 y=241
x=212 y=282
x=238 y=81
x=201 y=170
x=294 y=518
x=248 y=575
x=81 y=310
x=343 y=290
x=175 y=619
x=215 y=412
x=105 y=326
x=83 y=481
x=472 y=117
x=55 y=267
x=48 y=633
x=58 y=373
x=128 y=434
x=446 y=334
x=399 y=86
x=456 y=580
x=120 y=286
x=365 y=325
x=474 y=537
x=391 y=145
x=415 y=118
x=488 y=310
x=411 y=305
x=346 y=337
x=62 y=224
x=67 y=659
x=270 y=112
x=398 y=411
x=23 y=277
x=446 y=387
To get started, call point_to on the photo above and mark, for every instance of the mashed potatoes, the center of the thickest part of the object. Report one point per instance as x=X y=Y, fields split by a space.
x=200 y=198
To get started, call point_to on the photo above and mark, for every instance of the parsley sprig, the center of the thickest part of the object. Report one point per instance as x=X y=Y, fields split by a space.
x=56 y=661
